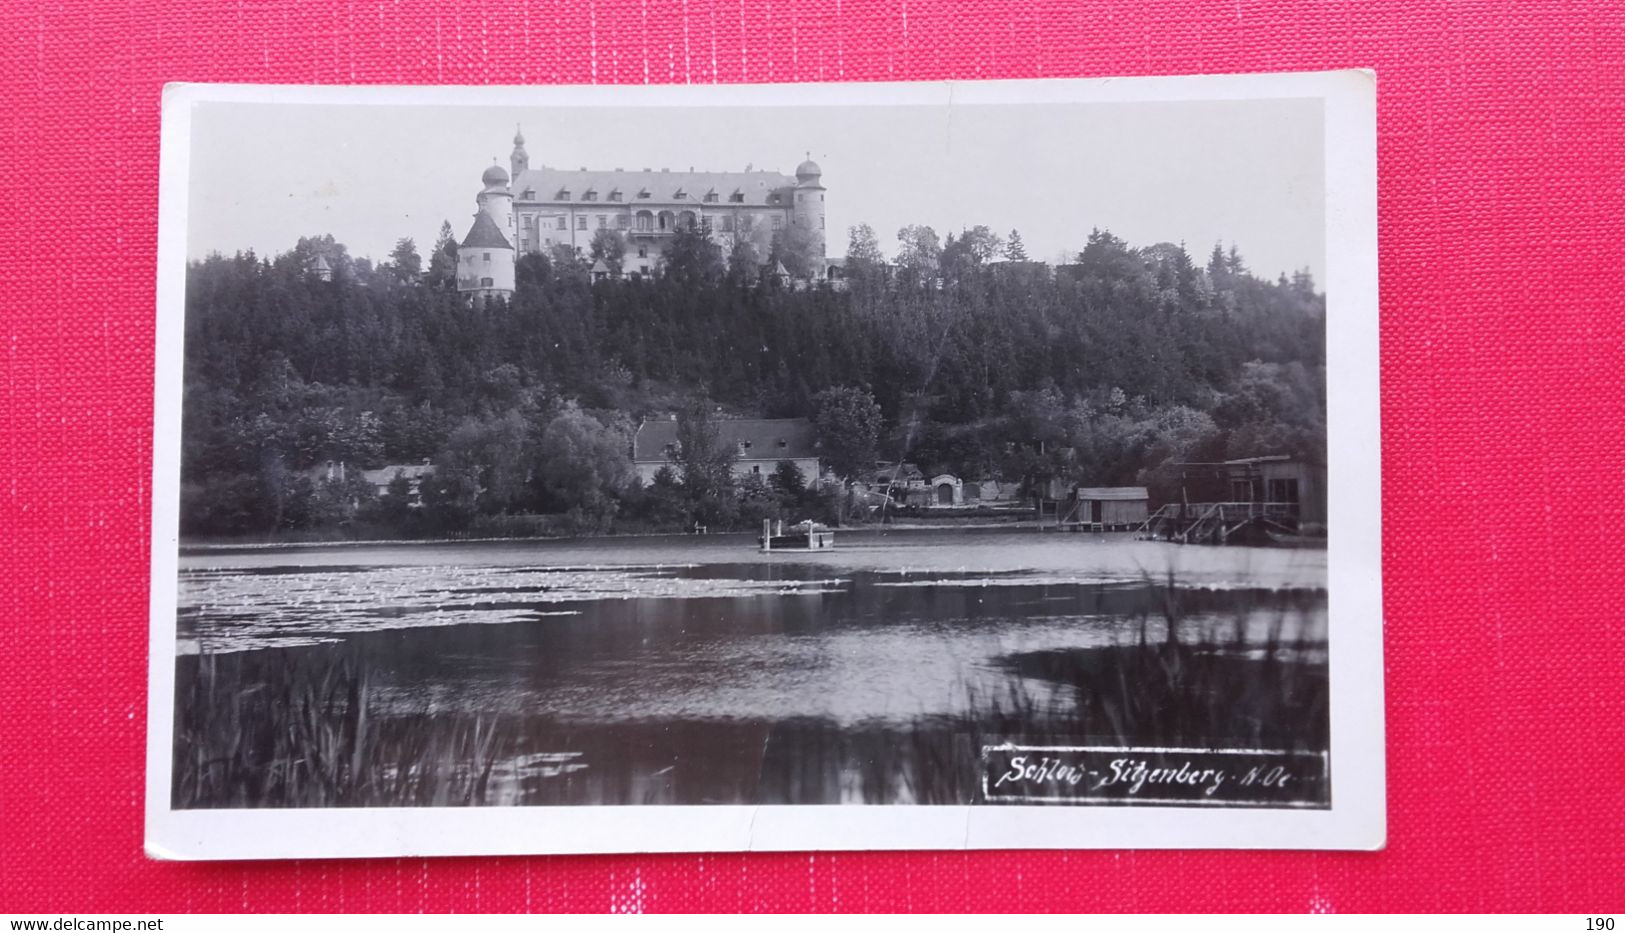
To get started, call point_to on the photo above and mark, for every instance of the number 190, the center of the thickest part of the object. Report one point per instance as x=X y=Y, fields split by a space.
x=1604 y=924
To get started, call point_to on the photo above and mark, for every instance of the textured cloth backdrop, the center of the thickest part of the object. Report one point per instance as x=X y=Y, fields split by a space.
x=1503 y=310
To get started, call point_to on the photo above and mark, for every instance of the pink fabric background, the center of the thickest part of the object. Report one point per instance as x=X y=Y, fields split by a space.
x=1503 y=336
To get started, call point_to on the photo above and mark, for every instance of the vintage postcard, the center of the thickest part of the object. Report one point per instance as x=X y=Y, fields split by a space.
x=925 y=466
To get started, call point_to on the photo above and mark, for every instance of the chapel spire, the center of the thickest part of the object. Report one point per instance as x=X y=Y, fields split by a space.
x=519 y=160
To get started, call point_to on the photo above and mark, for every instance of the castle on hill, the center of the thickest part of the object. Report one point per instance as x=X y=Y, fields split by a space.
x=526 y=210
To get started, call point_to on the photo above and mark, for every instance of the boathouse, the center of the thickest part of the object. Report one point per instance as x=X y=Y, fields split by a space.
x=1296 y=485
x=1109 y=508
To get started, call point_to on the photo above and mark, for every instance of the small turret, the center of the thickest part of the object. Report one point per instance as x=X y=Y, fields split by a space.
x=320 y=268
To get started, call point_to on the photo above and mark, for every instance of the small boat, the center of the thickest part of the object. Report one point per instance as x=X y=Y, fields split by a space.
x=1285 y=539
x=802 y=536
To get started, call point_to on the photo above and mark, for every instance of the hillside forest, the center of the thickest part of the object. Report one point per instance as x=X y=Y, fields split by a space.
x=958 y=354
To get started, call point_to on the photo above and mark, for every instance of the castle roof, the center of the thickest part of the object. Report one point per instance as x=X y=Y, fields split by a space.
x=753 y=438
x=549 y=185
x=485 y=234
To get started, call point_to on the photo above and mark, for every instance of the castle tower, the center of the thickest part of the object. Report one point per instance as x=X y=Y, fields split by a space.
x=496 y=199
x=485 y=259
x=519 y=159
x=808 y=210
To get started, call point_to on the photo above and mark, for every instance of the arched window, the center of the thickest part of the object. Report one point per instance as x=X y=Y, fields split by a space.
x=667 y=221
x=686 y=220
x=646 y=221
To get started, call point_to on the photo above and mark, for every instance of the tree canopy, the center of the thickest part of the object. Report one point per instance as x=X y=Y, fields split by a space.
x=1103 y=370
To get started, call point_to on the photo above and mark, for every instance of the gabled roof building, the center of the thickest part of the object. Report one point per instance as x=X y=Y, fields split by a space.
x=760 y=444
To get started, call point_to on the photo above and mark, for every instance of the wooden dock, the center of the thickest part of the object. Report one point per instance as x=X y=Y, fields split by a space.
x=806 y=536
x=1222 y=523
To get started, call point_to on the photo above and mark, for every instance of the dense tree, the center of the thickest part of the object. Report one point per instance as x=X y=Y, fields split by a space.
x=442 y=272
x=565 y=262
x=964 y=256
x=584 y=466
x=404 y=263
x=865 y=267
x=1101 y=370
x=919 y=254
x=796 y=247
x=1013 y=249
x=745 y=261
x=1218 y=269
x=981 y=244
x=609 y=246
x=395 y=505
x=787 y=480
x=848 y=421
x=662 y=504
x=533 y=272
x=450 y=497
x=704 y=461
x=495 y=453
x=691 y=258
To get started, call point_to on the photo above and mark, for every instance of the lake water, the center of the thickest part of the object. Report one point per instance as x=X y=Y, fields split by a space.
x=695 y=669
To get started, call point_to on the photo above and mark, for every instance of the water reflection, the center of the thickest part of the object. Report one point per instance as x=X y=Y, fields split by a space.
x=868 y=674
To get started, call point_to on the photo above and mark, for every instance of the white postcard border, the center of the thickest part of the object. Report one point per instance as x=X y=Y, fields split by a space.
x=1356 y=819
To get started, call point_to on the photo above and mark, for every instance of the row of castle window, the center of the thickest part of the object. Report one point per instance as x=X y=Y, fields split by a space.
x=710 y=197
x=647 y=223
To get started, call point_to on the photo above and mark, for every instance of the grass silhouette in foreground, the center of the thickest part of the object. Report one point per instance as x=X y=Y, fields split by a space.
x=305 y=728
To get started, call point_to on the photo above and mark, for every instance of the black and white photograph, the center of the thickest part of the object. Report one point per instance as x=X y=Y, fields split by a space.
x=816 y=467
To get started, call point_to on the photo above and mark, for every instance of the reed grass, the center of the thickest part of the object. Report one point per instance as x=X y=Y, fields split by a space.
x=265 y=728
x=304 y=728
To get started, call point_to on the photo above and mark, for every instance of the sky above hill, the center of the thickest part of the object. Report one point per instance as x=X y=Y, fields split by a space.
x=1242 y=172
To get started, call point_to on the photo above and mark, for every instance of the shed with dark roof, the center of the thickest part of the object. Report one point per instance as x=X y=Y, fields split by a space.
x=1111 y=507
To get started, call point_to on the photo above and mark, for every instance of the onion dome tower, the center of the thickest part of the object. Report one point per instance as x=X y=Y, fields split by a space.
x=485 y=259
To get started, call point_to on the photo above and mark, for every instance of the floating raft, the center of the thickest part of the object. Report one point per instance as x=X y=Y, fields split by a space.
x=805 y=536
